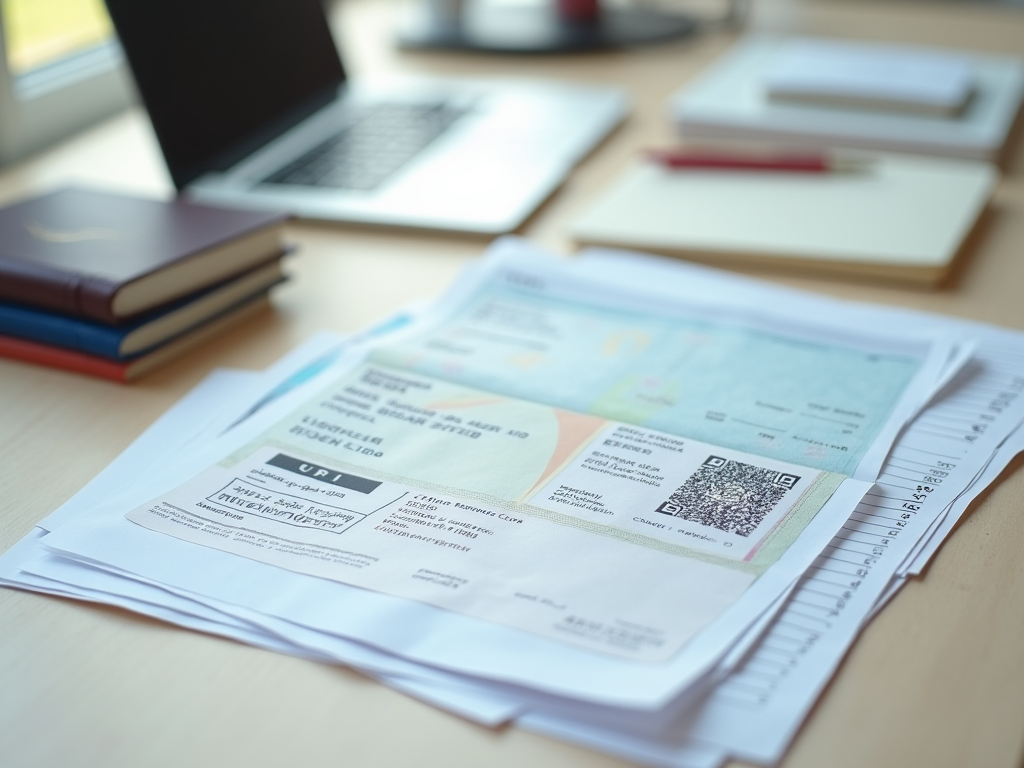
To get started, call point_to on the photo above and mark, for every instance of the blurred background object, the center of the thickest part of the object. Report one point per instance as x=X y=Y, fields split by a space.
x=40 y=32
x=60 y=70
x=553 y=26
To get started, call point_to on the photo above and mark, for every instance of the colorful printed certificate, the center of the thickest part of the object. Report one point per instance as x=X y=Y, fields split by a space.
x=548 y=458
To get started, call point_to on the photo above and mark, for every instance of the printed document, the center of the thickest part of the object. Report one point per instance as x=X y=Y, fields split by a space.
x=753 y=712
x=544 y=462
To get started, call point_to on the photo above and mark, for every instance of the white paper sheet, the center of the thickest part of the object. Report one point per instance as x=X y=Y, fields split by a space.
x=755 y=712
x=489 y=702
x=459 y=643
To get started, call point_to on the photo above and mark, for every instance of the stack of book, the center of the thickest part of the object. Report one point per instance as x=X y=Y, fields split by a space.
x=114 y=285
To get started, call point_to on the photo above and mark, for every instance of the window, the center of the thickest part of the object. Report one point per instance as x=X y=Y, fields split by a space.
x=60 y=70
x=39 y=32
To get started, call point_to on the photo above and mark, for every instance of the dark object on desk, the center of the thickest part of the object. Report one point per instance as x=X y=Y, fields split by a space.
x=121 y=342
x=111 y=257
x=252 y=107
x=129 y=370
x=561 y=26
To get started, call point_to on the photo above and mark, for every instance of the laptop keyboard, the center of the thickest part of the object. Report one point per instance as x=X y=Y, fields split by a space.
x=372 y=148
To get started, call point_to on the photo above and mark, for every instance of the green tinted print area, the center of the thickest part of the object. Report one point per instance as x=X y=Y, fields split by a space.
x=806 y=402
x=436 y=432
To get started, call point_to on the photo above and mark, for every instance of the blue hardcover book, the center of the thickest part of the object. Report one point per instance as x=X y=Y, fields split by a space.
x=128 y=341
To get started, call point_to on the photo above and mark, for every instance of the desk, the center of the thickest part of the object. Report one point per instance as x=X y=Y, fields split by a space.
x=937 y=679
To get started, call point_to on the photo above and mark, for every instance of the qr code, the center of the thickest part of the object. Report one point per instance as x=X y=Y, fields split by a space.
x=729 y=495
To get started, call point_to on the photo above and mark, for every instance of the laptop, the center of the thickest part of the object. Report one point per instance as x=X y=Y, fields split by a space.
x=251 y=106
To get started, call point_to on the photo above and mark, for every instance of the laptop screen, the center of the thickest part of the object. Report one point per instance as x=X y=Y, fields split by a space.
x=220 y=78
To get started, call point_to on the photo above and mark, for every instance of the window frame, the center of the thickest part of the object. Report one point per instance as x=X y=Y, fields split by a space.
x=50 y=102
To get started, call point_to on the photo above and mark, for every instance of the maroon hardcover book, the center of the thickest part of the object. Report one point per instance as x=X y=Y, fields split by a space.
x=110 y=257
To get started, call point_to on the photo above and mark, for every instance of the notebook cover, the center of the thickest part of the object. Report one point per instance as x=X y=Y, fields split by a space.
x=872 y=77
x=65 y=359
x=902 y=219
x=82 y=335
x=72 y=250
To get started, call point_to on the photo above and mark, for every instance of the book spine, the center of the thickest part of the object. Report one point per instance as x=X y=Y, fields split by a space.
x=61 y=331
x=38 y=286
x=95 y=300
x=63 y=359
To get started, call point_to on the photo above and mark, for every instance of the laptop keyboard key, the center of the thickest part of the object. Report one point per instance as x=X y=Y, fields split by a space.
x=371 y=149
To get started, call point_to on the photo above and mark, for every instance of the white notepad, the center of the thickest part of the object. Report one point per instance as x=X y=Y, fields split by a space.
x=903 y=218
x=731 y=102
x=872 y=77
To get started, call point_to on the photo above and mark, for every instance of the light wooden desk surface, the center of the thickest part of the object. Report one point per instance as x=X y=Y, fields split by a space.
x=936 y=680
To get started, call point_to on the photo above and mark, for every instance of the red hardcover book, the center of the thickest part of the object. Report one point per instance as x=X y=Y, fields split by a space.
x=110 y=257
x=126 y=370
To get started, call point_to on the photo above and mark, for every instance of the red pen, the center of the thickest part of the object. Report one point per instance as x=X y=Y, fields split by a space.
x=722 y=161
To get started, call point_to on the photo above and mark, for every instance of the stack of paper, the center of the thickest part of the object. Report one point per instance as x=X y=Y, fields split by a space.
x=810 y=92
x=585 y=497
x=865 y=76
